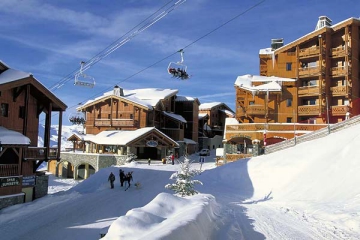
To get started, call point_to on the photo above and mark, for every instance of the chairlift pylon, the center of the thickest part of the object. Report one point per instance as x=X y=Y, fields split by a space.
x=81 y=79
x=178 y=69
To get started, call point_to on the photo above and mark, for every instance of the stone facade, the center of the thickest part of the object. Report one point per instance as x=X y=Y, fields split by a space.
x=8 y=201
x=41 y=187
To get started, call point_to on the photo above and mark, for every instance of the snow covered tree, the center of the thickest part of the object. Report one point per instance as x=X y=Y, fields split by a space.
x=184 y=185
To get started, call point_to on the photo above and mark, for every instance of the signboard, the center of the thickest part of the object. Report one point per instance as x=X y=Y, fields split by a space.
x=28 y=181
x=9 y=181
x=151 y=143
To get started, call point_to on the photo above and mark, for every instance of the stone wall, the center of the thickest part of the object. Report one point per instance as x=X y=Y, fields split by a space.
x=8 y=201
x=41 y=187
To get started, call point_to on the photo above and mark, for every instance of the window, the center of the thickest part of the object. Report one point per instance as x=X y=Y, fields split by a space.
x=288 y=102
x=251 y=103
x=125 y=104
x=22 y=112
x=288 y=66
x=131 y=116
x=109 y=116
x=4 y=109
x=288 y=119
x=312 y=102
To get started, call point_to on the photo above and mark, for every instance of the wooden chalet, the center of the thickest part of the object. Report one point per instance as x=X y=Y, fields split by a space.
x=303 y=86
x=22 y=100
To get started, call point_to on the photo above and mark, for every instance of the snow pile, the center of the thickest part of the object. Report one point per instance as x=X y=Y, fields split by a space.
x=168 y=217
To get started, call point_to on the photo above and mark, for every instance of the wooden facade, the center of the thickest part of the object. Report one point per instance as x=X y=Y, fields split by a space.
x=215 y=118
x=325 y=66
x=22 y=100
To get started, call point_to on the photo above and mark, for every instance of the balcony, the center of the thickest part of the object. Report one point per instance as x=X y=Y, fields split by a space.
x=310 y=110
x=255 y=110
x=309 y=52
x=9 y=170
x=311 y=71
x=309 y=91
x=39 y=153
x=115 y=123
x=340 y=71
x=339 y=110
x=339 y=52
x=338 y=91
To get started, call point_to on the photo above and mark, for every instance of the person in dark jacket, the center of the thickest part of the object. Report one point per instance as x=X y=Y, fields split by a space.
x=111 y=179
x=122 y=177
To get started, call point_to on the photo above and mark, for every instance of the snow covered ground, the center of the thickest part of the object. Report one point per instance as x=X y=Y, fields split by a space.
x=309 y=191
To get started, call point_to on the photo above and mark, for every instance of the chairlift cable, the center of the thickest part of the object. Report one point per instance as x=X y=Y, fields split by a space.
x=161 y=60
x=145 y=24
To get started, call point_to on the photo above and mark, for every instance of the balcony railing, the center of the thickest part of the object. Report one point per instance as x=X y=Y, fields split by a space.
x=115 y=122
x=311 y=71
x=39 y=153
x=255 y=110
x=339 y=110
x=309 y=110
x=340 y=51
x=338 y=91
x=309 y=52
x=340 y=71
x=9 y=170
x=309 y=91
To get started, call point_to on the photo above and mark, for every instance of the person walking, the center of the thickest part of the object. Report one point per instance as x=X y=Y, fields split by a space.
x=172 y=159
x=111 y=179
x=122 y=177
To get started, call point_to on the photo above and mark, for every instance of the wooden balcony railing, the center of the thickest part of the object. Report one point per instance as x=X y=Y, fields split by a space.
x=309 y=110
x=309 y=91
x=339 y=110
x=340 y=51
x=275 y=127
x=39 y=153
x=311 y=71
x=115 y=122
x=338 y=91
x=309 y=52
x=9 y=170
x=340 y=71
x=255 y=110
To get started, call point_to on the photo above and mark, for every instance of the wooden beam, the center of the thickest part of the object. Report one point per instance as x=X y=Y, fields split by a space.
x=16 y=92
x=26 y=113
x=59 y=135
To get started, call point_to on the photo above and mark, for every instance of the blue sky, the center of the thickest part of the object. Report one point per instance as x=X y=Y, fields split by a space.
x=50 y=38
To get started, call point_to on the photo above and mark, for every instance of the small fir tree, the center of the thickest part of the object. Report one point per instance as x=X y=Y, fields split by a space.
x=184 y=185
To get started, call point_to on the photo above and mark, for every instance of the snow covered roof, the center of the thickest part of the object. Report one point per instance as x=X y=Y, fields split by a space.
x=119 y=137
x=206 y=106
x=12 y=75
x=189 y=141
x=175 y=116
x=227 y=112
x=11 y=137
x=202 y=115
x=146 y=97
x=184 y=99
x=246 y=82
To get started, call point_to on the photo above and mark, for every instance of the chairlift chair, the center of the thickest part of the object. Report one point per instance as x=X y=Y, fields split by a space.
x=178 y=69
x=77 y=118
x=81 y=79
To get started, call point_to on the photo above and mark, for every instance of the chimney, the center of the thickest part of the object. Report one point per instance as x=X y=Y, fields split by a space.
x=323 y=21
x=118 y=91
x=277 y=43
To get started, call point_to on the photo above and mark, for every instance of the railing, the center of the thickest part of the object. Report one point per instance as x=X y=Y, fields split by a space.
x=9 y=170
x=339 y=110
x=276 y=127
x=39 y=153
x=311 y=71
x=338 y=91
x=255 y=110
x=313 y=135
x=309 y=110
x=115 y=122
x=309 y=52
x=340 y=51
x=309 y=90
x=340 y=71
